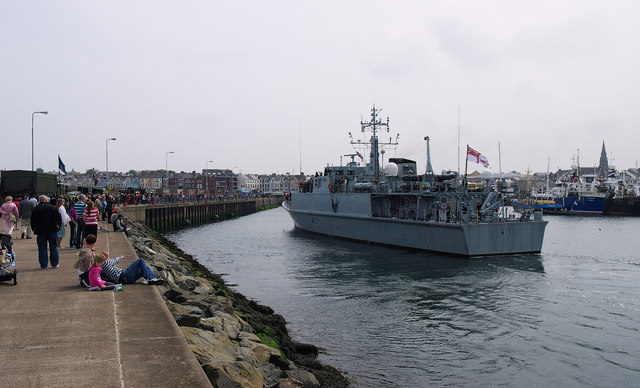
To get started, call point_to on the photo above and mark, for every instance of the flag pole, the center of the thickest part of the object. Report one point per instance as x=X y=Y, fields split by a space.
x=466 y=163
x=459 y=140
x=59 y=183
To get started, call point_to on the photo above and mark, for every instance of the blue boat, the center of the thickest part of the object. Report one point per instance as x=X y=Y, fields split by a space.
x=584 y=204
x=577 y=195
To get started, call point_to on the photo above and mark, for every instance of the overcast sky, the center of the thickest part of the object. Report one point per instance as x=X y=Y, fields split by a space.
x=269 y=86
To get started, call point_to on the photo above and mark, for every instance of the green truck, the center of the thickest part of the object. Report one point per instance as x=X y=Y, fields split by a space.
x=20 y=182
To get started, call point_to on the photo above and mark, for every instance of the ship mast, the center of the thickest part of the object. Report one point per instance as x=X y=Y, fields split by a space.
x=375 y=124
x=548 y=162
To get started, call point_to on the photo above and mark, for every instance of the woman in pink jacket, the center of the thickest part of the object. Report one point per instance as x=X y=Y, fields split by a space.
x=8 y=209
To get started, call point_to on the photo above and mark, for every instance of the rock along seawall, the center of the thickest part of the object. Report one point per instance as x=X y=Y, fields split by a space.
x=238 y=342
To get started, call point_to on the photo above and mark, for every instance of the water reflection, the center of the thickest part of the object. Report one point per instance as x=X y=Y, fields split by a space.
x=438 y=317
x=321 y=251
x=396 y=318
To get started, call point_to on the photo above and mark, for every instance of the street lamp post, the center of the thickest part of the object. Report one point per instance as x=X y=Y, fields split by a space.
x=33 y=114
x=206 y=182
x=106 y=147
x=166 y=165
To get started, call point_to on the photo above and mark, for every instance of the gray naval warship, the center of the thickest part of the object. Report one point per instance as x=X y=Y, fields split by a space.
x=395 y=206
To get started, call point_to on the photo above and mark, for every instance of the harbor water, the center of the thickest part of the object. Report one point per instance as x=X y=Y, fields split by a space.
x=569 y=316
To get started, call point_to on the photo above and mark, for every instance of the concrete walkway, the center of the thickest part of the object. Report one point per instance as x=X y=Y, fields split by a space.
x=56 y=334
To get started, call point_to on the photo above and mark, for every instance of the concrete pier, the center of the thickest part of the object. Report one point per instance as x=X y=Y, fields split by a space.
x=56 y=334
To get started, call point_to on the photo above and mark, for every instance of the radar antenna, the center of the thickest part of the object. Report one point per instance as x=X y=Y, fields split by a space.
x=375 y=124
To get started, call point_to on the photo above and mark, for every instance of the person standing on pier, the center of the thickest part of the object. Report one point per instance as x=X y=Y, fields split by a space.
x=25 y=208
x=72 y=226
x=8 y=221
x=65 y=220
x=79 y=206
x=97 y=203
x=10 y=214
x=90 y=217
x=109 y=207
x=45 y=222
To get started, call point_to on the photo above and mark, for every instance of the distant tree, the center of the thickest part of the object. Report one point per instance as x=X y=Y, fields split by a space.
x=39 y=169
x=132 y=172
x=91 y=171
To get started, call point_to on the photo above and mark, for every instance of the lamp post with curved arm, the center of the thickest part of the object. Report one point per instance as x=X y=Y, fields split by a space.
x=206 y=177
x=166 y=165
x=33 y=114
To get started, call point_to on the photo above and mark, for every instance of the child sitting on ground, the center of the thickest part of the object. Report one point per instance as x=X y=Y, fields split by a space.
x=94 y=274
x=85 y=259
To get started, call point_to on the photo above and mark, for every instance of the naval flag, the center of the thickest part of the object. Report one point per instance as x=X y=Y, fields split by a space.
x=476 y=157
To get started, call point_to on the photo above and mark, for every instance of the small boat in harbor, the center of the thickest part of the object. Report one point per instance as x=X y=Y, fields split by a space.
x=626 y=206
x=538 y=201
x=578 y=195
x=625 y=196
x=396 y=206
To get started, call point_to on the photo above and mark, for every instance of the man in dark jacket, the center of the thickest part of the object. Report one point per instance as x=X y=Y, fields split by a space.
x=24 y=208
x=45 y=222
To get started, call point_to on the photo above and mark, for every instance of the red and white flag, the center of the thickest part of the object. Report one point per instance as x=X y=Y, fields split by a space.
x=476 y=157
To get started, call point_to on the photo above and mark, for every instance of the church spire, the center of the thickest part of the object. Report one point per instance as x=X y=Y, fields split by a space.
x=604 y=163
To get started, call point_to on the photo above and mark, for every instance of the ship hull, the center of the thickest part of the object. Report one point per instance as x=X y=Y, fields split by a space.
x=464 y=239
x=622 y=207
x=584 y=205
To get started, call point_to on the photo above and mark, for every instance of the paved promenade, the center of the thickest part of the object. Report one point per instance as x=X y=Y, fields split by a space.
x=56 y=334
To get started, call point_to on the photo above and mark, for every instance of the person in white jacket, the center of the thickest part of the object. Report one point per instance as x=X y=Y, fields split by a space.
x=65 y=220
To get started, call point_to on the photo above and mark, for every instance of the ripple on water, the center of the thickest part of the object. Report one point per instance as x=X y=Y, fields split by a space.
x=567 y=317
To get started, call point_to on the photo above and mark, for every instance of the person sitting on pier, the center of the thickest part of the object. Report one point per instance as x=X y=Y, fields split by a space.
x=138 y=269
x=85 y=260
x=120 y=225
x=114 y=217
x=96 y=283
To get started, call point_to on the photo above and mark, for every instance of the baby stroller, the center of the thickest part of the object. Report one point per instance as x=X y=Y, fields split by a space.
x=7 y=245
x=7 y=261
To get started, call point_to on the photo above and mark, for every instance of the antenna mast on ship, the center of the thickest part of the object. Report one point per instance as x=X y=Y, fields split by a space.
x=458 y=140
x=374 y=124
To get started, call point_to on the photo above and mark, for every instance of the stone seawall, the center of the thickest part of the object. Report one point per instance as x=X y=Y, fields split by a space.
x=238 y=342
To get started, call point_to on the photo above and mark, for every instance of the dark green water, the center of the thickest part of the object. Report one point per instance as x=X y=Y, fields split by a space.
x=569 y=316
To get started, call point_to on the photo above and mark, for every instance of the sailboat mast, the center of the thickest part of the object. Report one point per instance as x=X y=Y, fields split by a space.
x=548 y=161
